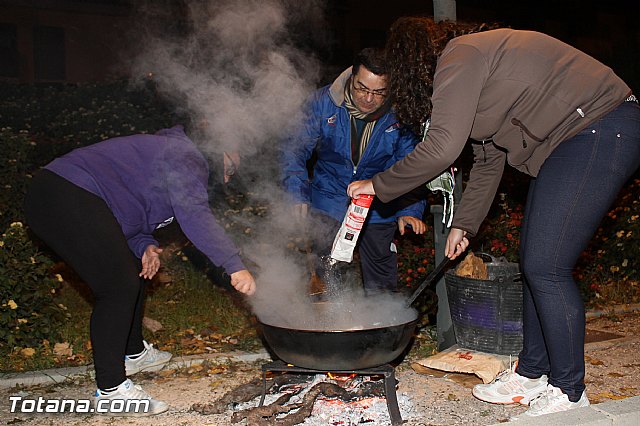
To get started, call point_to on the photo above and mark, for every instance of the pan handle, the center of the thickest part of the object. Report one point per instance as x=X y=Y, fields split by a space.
x=428 y=281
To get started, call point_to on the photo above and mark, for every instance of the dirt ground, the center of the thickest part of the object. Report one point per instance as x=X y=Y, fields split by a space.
x=613 y=372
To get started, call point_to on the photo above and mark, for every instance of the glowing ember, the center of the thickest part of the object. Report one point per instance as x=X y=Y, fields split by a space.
x=341 y=377
x=368 y=404
x=366 y=410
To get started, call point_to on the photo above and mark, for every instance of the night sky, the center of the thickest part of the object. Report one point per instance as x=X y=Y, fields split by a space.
x=605 y=29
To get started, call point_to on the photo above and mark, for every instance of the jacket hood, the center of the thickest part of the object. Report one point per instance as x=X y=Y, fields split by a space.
x=336 y=91
x=175 y=131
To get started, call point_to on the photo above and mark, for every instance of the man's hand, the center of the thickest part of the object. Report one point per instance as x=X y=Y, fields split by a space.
x=418 y=226
x=243 y=282
x=457 y=243
x=360 y=187
x=150 y=262
x=300 y=210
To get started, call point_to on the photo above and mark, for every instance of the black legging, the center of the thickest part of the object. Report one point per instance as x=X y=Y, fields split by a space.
x=81 y=229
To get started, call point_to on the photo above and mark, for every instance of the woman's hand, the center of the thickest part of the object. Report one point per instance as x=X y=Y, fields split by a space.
x=150 y=262
x=457 y=243
x=243 y=282
x=360 y=187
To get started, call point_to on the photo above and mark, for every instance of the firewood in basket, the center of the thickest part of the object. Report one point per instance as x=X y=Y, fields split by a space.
x=472 y=267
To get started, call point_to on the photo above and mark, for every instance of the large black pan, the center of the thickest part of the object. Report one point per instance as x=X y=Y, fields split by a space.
x=349 y=349
x=339 y=350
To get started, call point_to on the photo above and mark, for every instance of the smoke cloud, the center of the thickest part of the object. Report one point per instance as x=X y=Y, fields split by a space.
x=241 y=70
x=235 y=68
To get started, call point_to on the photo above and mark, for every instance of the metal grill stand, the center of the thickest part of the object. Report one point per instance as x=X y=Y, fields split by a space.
x=387 y=371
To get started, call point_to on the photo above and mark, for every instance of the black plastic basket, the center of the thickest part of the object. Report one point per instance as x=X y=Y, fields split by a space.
x=487 y=314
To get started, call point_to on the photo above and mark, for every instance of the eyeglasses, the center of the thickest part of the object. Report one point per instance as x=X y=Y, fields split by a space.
x=364 y=91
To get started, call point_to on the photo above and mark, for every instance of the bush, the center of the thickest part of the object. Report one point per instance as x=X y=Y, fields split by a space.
x=608 y=270
x=500 y=234
x=28 y=312
x=16 y=152
x=43 y=122
x=80 y=114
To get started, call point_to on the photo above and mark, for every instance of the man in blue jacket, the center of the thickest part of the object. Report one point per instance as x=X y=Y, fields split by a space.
x=354 y=134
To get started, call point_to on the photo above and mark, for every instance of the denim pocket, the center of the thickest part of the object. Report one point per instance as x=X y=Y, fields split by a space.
x=620 y=130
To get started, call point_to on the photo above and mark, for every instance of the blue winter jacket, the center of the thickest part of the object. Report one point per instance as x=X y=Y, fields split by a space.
x=327 y=131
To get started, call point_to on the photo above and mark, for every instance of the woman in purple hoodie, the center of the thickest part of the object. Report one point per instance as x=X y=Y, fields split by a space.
x=97 y=207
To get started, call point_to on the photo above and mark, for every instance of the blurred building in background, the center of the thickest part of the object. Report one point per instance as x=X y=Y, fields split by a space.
x=61 y=41
x=91 y=40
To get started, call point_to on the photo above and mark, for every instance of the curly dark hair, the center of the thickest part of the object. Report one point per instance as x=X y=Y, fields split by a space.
x=412 y=50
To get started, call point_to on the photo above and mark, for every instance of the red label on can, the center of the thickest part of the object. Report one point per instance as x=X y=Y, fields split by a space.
x=363 y=201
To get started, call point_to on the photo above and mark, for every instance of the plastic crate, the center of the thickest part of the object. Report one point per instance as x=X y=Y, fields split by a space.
x=487 y=314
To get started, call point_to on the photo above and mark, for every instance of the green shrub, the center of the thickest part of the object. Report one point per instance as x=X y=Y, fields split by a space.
x=500 y=233
x=42 y=122
x=28 y=312
x=80 y=114
x=609 y=270
x=16 y=152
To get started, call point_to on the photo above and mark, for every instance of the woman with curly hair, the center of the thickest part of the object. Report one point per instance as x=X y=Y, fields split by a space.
x=412 y=85
x=550 y=111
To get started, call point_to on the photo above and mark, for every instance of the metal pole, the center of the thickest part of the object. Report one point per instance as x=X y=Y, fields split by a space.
x=444 y=325
x=444 y=10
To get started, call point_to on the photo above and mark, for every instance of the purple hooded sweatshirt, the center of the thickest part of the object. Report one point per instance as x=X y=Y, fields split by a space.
x=147 y=181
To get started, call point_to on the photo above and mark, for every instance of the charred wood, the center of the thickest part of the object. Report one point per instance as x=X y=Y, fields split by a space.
x=242 y=393
x=266 y=415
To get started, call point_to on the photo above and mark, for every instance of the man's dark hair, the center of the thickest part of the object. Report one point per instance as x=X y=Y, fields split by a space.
x=372 y=59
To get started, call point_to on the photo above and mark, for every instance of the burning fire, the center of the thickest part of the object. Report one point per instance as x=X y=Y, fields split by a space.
x=341 y=377
x=364 y=401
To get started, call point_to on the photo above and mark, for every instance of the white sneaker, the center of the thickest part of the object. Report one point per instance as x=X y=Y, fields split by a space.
x=510 y=387
x=127 y=400
x=552 y=400
x=151 y=359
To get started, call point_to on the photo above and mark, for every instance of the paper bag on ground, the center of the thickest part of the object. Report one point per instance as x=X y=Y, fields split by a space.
x=460 y=360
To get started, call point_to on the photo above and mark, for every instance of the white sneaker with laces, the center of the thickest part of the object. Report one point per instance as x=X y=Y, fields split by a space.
x=151 y=359
x=510 y=387
x=552 y=400
x=127 y=400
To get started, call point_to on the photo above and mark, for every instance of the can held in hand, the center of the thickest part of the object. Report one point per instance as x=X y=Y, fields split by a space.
x=347 y=236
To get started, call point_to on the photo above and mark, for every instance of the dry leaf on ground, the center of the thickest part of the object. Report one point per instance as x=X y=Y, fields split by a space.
x=151 y=324
x=63 y=349
x=28 y=352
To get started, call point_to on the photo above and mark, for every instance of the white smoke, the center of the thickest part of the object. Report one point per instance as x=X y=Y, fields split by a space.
x=236 y=68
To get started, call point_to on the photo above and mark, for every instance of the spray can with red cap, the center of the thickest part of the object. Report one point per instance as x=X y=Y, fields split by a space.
x=347 y=236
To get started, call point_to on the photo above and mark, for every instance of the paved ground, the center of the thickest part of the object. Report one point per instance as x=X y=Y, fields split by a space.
x=613 y=377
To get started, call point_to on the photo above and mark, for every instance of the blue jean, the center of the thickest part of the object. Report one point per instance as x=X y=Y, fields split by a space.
x=566 y=202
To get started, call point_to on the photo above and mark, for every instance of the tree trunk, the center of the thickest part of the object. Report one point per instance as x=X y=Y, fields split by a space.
x=444 y=10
